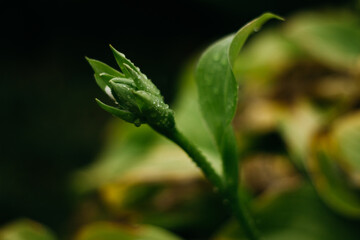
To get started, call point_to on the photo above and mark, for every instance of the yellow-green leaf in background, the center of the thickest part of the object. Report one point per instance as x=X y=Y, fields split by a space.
x=295 y=215
x=113 y=231
x=330 y=179
x=25 y=229
x=346 y=133
x=331 y=37
x=298 y=126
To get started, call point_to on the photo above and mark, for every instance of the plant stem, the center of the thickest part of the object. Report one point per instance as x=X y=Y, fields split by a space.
x=197 y=157
x=241 y=213
x=230 y=195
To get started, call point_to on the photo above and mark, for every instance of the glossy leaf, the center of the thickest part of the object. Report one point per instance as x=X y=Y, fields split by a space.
x=216 y=83
x=218 y=89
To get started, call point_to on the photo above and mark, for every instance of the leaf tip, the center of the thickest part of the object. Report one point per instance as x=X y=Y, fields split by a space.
x=114 y=50
x=275 y=16
x=89 y=60
x=97 y=101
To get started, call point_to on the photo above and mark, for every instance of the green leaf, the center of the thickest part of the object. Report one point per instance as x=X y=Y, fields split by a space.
x=218 y=89
x=298 y=139
x=217 y=85
x=112 y=231
x=25 y=229
x=347 y=135
x=124 y=148
x=99 y=68
x=329 y=178
x=295 y=215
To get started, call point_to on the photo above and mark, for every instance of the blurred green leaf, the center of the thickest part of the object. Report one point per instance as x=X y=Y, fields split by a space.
x=298 y=139
x=112 y=231
x=295 y=215
x=331 y=37
x=266 y=56
x=25 y=230
x=347 y=136
x=330 y=179
x=124 y=149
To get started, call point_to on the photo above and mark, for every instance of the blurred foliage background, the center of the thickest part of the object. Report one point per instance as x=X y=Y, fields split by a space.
x=65 y=163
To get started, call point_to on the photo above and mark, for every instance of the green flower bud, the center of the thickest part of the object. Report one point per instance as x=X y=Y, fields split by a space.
x=124 y=81
x=124 y=96
x=156 y=112
x=142 y=82
x=137 y=99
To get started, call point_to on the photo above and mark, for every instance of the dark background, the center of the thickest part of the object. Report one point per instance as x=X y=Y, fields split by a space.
x=50 y=124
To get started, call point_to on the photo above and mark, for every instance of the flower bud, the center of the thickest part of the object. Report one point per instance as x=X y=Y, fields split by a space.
x=137 y=99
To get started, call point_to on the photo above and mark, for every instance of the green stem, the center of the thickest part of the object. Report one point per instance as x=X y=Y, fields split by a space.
x=197 y=157
x=230 y=195
x=241 y=213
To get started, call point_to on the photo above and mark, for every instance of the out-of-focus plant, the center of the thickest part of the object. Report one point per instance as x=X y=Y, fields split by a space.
x=308 y=93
